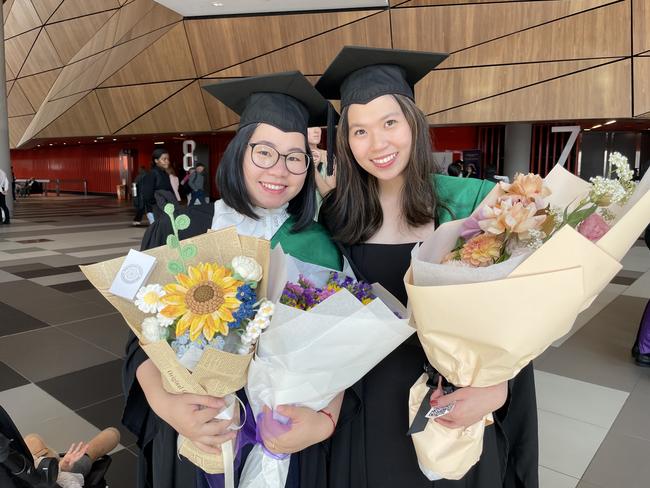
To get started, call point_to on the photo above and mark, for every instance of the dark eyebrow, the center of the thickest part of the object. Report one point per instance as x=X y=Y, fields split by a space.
x=269 y=143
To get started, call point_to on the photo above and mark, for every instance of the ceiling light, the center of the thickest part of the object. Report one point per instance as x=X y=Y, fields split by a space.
x=159 y=142
x=597 y=126
x=610 y=122
x=100 y=138
x=38 y=145
x=217 y=4
x=586 y=130
x=115 y=139
x=51 y=144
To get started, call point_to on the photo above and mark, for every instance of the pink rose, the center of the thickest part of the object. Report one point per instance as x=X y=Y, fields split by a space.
x=593 y=227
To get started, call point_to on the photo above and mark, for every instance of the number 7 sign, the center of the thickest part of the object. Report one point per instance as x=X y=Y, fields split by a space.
x=574 y=130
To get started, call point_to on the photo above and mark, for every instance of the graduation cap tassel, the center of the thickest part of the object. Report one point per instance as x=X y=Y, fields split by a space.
x=332 y=120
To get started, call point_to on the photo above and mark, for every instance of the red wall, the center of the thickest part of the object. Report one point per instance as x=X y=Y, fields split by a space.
x=98 y=162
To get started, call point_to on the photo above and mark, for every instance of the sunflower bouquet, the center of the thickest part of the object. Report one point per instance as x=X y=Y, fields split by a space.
x=198 y=316
x=531 y=257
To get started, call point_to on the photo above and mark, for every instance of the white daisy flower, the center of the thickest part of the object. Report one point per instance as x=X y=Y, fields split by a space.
x=151 y=330
x=149 y=298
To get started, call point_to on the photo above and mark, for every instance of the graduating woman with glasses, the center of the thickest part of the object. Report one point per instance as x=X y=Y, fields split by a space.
x=266 y=181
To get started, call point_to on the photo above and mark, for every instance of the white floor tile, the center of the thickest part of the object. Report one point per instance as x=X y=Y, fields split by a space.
x=7 y=277
x=26 y=255
x=552 y=479
x=607 y=296
x=103 y=252
x=59 y=279
x=566 y=445
x=578 y=400
x=28 y=405
x=640 y=288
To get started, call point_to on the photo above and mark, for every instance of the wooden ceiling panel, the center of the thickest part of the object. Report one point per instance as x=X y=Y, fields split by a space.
x=184 y=110
x=102 y=40
x=447 y=88
x=6 y=8
x=46 y=8
x=78 y=8
x=74 y=72
x=70 y=36
x=85 y=118
x=314 y=55
x=641 y=87
x=146 y=67
x=122 y=105
x=641 y=26
x=8 y=73
x=584 y=95
x=42 y=57
x=36 y=87
x=21 y=18
x=49 y=112
x=9 y=85
x=211 y=40
x=17 y=48
x=17 y=103
x=452 y=28
x=17 y=127
x=576 y=37
x=156 y=18
x=220 y=116
x=427 y=3
x=131 y=14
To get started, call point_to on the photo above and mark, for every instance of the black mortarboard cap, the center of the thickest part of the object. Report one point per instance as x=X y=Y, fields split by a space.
x=360 y=74
x=287 y=101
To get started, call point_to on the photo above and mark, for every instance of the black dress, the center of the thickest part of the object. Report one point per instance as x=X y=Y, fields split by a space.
x=370 y=448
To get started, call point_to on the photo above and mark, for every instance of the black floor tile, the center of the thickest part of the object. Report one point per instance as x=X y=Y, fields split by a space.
x=623 y=280
x=108 y=414
x=14 y=321
x=48 y=271
x=109 y=332
x=86 y=387
x=9 y=378
x=74 y=286
x=23 y=268
x=123 y=470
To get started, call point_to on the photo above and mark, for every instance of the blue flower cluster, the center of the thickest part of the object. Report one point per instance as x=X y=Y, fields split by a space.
x=247 y=296
x=181 y=344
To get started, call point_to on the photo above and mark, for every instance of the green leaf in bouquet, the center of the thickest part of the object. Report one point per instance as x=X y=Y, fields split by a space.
x=169 y=209
x=189 y=251
x=175 y=267
x=172 y=241
x=182 y=222
x=576 y=217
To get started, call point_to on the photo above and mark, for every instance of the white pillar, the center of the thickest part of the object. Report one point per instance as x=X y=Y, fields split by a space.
x=516 y=157
x=5 y=161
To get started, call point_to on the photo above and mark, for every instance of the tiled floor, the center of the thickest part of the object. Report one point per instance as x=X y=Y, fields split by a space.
x=58 y=336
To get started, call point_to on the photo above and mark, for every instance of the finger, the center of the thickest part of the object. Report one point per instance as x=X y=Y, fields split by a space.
x=216 y=440
x=205 y=401
x=216 y=427
x=205 y=415
x=288 y=411
x=450 y=424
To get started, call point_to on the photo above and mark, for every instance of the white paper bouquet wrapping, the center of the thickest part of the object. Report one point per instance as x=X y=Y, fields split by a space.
x=306 y=358
x=481 y=326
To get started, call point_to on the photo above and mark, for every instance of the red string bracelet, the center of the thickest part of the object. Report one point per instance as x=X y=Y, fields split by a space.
x=331 y=417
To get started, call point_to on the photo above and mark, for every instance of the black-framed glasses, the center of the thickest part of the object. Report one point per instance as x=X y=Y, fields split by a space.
x=266 y=157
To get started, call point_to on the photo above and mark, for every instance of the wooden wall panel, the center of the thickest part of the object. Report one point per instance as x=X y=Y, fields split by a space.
x=17 y=48
x=78 y=8
x=73 y=71
x=70 y=36
x=425 y=3
x=102 y=40
x=641 y=26
x=47 y=113
x=584 y=95
x=8 y=73
x=22 y=18
x=448 y=88
x=315 y=54
x=36 y=87
x=452 y=28
x=42 y=57
x=263 y=34
x=123 y=104
x=45 y=8
x=641 y=85
x=184 y=112
x=17 y=127
x=6 y=8
x=17 y=103
x=146 y=66
x=131 y=14
x=85 y=118
x=156 y=18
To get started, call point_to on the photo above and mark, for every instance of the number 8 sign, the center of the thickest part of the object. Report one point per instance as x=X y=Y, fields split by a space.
x=188 y=154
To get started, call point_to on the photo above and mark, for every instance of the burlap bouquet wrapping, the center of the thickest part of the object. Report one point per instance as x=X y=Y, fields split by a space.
x=483 y=333
x=218 y=373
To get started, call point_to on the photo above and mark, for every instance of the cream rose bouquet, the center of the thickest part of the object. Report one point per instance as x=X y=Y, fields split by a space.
x=541 y=249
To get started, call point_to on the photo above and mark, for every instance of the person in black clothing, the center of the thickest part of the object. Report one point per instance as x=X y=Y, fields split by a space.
x=383 y=204
x=138 y=200
x=156 y=180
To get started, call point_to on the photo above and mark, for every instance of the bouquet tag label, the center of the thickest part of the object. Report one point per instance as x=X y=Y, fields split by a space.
x=436 y=412
x=133 y=273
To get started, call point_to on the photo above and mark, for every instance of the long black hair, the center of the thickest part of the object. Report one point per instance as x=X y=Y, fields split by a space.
x=232 y=186
x=157 y=154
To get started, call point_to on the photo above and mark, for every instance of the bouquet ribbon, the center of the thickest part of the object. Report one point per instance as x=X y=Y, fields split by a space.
x=273 y=427
x=420 y=421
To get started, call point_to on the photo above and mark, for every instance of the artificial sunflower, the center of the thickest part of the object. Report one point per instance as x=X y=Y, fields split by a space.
x=204 y=299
